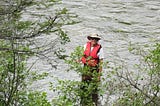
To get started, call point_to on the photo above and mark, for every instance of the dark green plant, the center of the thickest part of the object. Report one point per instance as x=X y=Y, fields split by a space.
x=70 y=92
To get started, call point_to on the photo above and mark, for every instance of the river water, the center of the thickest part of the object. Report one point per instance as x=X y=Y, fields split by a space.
x=119 y=23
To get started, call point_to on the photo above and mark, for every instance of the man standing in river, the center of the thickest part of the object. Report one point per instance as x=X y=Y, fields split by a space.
x=92 y=59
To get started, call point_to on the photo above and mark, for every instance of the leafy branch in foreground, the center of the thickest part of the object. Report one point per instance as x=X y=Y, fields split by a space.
x=138 y=87
x=24 y=25
x=73 y=92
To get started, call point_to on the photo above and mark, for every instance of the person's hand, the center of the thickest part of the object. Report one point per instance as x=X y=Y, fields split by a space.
x=91 y=63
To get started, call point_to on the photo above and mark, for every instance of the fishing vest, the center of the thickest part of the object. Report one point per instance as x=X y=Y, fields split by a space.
x=91 y=58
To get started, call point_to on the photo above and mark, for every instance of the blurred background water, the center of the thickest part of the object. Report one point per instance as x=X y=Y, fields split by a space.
x=118 y=22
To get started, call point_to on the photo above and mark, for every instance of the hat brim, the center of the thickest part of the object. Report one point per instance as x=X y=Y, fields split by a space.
x=89 y=37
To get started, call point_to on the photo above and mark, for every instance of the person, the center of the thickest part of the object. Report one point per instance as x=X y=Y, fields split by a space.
x=92 y=59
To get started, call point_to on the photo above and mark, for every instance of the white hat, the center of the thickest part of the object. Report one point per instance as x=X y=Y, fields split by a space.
x=94 y=36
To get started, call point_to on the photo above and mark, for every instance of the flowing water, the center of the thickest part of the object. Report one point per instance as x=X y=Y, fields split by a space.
x=119 y=23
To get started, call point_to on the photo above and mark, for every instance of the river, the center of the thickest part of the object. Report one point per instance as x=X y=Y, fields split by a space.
x=119 y=23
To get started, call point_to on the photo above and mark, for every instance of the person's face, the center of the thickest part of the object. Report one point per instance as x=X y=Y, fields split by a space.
x=94 y=40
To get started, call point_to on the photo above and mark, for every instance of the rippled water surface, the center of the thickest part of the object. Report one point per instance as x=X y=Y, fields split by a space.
x=118 y=22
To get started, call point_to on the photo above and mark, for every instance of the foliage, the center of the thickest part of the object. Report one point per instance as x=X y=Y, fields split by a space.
x=154 y=59
x=75 y=59
x=34 y=98
x=68 y=93
x=140 y=87
x=13 y=74
x=20 y=27
x=75 y=93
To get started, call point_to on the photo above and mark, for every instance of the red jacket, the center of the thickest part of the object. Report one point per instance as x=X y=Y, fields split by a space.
x=90 y=57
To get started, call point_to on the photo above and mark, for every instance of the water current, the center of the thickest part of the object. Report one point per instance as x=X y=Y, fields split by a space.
x=119 y=23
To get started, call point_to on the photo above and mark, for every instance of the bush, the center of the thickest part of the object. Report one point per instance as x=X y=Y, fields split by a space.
x=141 y=89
